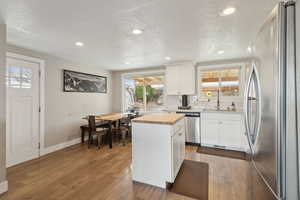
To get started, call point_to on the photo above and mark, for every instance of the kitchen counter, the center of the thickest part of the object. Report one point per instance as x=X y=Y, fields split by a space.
x=170 y=118
x=178 y=110
x=205 y=111
x=222 y=111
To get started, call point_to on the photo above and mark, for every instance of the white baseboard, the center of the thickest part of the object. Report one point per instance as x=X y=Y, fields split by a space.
x=3 y=187
x=60 y=146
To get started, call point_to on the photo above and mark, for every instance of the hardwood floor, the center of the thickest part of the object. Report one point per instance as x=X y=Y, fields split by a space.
x=79 y=173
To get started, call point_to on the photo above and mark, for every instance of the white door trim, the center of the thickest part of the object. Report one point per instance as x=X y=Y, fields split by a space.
x=41 y=94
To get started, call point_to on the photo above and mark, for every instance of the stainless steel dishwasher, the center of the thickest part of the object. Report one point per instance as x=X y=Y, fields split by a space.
x=192 y=127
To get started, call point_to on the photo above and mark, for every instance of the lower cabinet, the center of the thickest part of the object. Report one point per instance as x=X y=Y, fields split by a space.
x=178 y=150
x=230 y=134
x=223 y=130
x=209 y=131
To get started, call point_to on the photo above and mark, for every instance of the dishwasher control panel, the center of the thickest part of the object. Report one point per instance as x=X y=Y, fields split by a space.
x=189 y=114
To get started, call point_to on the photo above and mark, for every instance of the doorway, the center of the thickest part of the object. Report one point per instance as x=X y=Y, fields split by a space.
x=24 y=108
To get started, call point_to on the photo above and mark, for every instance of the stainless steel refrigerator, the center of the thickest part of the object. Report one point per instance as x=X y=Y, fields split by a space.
x=271 y=109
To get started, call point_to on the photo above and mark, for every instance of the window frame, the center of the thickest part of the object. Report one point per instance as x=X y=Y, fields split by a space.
x=141 y=74
x=242 y=78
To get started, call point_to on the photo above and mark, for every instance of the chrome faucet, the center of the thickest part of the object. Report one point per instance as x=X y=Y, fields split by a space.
x=218 y=100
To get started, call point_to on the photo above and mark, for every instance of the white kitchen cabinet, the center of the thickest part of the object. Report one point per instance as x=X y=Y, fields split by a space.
x=181 y=79
x=187 y=79
x=209 y=131
x=158 y=151
x=172 y=82
x=223 y=130
x=176 y=154
x=182 y=145
x=178 y=142
x=230 y=134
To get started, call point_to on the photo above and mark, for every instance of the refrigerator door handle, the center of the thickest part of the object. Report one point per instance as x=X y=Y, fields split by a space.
x=246 y=109
x=255 y=78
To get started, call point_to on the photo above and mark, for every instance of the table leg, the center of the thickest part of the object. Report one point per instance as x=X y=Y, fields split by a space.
x=110 y=134
x=82 y=135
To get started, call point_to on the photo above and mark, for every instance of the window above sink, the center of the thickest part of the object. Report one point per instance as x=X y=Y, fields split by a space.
x=227 y=79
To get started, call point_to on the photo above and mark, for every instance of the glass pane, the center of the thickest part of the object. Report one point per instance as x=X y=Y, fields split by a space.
x=154 y=92
x=14 y=71
x=26 y=78
x=14 y=82
x=134 y=93
x=26 y=83
x=229 y=82
x=13 y=77
x=144 y=93
x=210 y=83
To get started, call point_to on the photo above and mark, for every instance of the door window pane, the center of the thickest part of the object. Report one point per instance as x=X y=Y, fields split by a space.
x=26 y=78
x=18 y=77
x=13 y=78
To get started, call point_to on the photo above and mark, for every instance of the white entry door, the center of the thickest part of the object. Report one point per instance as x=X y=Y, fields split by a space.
x=22 y=114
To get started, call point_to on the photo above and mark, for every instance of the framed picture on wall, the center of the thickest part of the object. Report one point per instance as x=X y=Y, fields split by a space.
x=82 y=82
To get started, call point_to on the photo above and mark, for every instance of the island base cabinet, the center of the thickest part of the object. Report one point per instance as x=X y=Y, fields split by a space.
x=157 y=153
x=178 y=150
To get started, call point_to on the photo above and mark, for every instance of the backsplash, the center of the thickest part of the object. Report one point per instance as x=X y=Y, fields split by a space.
x=172 y=102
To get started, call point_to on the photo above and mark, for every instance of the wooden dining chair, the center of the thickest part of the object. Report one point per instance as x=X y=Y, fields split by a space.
x=93 y=130
x=125 y=128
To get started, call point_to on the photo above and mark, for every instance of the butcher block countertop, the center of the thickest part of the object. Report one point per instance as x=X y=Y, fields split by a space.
x=166 y=118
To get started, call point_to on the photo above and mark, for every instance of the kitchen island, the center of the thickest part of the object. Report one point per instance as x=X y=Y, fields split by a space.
x=158 y=148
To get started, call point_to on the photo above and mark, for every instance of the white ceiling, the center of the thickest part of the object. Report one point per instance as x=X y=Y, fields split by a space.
x=181 y=29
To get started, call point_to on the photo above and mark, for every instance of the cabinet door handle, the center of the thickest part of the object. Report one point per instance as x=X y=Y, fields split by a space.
x=180 y=134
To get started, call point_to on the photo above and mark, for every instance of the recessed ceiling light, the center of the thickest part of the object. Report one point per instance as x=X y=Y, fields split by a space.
x=79 y=44
x=127 y=63
x=137 y=31
x=221 y=52
x=168 y=58
x=228 y=11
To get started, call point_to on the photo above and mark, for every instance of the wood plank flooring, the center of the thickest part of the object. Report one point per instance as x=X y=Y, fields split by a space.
x=79 y=173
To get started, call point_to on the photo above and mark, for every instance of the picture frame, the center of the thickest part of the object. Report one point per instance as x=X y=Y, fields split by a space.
x=74 y=81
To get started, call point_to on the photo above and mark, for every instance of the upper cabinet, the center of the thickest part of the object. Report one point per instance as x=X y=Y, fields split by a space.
x=181 y=79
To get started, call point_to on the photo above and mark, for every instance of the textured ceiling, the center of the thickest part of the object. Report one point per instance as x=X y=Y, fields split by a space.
x=181 y=29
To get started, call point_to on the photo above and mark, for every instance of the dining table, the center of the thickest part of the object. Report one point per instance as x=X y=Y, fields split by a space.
x=111 y=119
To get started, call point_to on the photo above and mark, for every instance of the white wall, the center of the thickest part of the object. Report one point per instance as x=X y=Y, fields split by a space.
x=64 y=111
x=2 y=102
